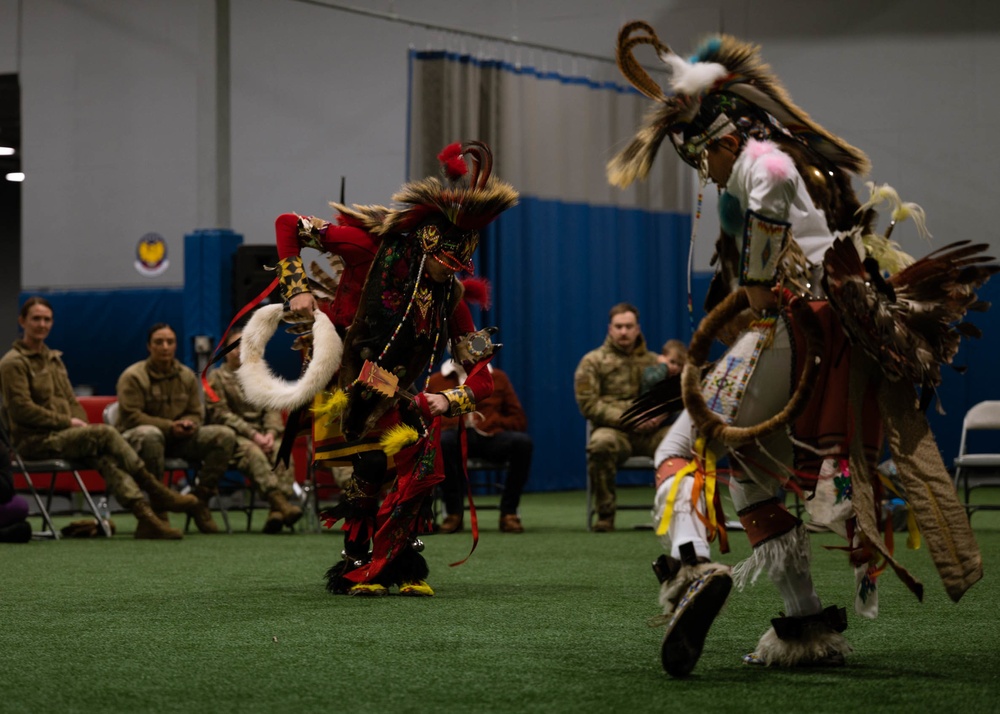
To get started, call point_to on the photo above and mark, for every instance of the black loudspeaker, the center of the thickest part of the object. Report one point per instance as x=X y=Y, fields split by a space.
x=250 y=276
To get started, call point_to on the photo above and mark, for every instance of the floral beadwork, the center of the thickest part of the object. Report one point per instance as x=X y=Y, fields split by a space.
x=392 y=299
x=844 y=489
x=725 y=385
x=842 y=484
x=867 y=586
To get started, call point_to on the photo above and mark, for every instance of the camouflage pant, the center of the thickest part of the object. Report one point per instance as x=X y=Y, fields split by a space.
x=98 y=446
x=211 y=447
x=250 y=460
x=607 y=450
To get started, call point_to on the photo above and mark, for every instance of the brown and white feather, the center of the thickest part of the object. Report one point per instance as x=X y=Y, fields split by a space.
x=918 y=329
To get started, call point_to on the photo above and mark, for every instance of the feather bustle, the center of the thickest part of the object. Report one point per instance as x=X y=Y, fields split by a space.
x=916 y=325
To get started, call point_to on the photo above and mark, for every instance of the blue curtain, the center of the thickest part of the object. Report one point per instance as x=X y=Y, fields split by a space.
x=556 y=269
x=574 y=246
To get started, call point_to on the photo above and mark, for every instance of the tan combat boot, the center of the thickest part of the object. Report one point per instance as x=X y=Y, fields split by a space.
x=605 y=523
x=149 y=526
x=162 y=498
x=201 y=514
x=282 y=513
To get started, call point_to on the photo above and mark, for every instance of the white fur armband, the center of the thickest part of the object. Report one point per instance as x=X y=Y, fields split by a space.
x=261 y=386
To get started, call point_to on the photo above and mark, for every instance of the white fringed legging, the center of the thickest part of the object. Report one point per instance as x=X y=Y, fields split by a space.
x=785 y=557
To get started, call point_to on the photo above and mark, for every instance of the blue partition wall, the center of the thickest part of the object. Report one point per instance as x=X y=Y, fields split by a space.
x=551 y=300
x=208 y=288
x=101 y=332
x=551 y=297
x=556 y=269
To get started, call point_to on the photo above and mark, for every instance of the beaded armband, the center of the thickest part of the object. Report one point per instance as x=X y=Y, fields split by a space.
x=311 y=232
x=763 y=242
x=461 y=400
x=292 y=277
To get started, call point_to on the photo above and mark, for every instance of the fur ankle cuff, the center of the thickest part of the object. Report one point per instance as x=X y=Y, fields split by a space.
x=804 y=641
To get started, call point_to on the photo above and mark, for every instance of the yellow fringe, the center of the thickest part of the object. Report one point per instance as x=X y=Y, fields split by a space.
x=397 y=438
x=330 y=405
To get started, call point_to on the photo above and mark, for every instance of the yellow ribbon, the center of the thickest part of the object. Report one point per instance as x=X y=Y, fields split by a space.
x=912 y=531
x=702 y=455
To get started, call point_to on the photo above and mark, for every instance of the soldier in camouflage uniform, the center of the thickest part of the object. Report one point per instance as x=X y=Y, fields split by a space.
x=160 y=414
x=606 y=381
x=47 y=421
x=258 y=434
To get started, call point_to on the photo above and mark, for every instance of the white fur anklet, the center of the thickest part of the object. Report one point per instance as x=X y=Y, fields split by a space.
x=813 y=641
x=789 y=551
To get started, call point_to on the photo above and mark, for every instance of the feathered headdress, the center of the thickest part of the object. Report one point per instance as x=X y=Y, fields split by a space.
x=724 y=87
x=467 y=204
x=444 y=215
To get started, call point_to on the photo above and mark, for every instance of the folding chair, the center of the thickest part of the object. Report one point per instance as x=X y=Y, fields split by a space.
x=486 y=478
x=632 y=463
x=984 y=416
x=52 y=468
x=233 y=482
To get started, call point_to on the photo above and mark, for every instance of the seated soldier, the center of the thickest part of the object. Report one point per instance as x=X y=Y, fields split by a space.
x=606 y=381
x=258 y=433
x=47 y=421
x=160 y=415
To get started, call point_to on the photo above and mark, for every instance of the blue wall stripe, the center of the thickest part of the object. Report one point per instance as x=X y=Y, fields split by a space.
x=432 y=55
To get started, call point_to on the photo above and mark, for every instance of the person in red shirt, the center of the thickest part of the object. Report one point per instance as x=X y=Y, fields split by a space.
x=495 y=431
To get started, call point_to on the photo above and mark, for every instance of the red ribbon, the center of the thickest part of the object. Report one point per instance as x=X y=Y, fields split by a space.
x=209 y=392
x=463 y=441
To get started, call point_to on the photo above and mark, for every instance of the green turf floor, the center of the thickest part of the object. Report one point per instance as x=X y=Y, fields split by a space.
x=553 y=620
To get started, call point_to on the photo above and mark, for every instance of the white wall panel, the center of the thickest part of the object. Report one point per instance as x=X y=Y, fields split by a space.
x=108 y=135
x=9 y=17
x=112 y=107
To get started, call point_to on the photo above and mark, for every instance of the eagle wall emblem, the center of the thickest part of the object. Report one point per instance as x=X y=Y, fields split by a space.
x=151 y=255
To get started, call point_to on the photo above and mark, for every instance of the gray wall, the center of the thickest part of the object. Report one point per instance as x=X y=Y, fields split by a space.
x=119 y=102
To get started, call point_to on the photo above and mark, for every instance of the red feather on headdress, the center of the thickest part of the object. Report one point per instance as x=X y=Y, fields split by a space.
x=453 y=162
x=466 y=205
x=478 y=292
